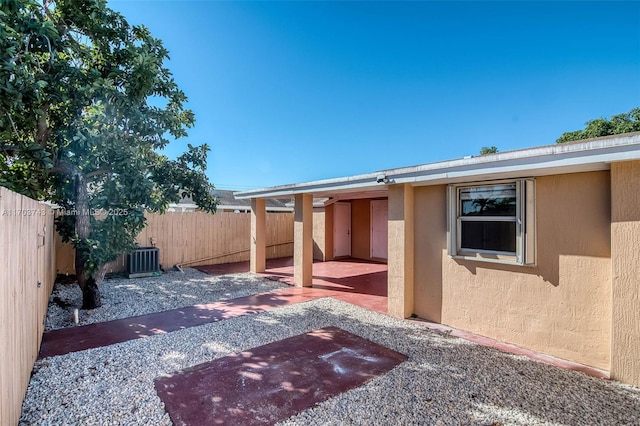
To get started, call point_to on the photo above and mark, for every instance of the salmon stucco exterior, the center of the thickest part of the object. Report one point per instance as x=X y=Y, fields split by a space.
x=539 y=248
x=560 y=306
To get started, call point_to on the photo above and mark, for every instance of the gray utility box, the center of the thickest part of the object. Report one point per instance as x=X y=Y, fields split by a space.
x=143 y=262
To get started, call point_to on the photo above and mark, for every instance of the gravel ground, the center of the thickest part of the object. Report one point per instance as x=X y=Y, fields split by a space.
x=445 y=381
x=124 y=297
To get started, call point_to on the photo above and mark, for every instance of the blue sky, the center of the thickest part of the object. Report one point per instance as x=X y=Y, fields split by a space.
x=288 y=92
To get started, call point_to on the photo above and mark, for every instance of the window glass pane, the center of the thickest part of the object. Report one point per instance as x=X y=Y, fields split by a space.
x=491 y=200
x=494 y=236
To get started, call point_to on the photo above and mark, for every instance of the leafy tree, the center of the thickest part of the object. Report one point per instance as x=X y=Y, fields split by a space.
x=488 y=150
x=621 y=123
x=86 y=104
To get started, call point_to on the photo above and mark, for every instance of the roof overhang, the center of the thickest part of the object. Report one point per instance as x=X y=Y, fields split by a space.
x=583 y=156
x=187 y=207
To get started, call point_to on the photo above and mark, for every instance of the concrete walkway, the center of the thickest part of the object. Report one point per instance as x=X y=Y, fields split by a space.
x=346 y=281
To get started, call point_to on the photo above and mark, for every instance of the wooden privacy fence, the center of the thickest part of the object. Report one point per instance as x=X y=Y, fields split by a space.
x=27 y=274
x=198 y=238
x=31 y=252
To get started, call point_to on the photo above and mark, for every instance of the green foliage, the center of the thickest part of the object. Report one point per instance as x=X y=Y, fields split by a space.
x=25 y=40
x=86 y=106
x=488 y=150
x=621 y=123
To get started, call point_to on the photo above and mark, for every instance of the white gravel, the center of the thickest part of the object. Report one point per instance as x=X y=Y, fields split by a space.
x=445 y=381
x=124 y=297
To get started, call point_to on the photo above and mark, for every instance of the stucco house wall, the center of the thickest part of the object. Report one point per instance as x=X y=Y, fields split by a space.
x=319 y=236
x=625 y=271
x=562 y=306
x=328 y=232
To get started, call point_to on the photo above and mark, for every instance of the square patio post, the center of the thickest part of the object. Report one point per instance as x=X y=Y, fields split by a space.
x=303 y=240
x=257 y=260
x=401 y=258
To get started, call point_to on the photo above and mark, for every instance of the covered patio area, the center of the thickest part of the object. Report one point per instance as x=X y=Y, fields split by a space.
x=360 y=282
x=366 y=222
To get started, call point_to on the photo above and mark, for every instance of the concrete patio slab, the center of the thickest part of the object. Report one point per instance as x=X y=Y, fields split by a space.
x=271 y=383
x=360 y=282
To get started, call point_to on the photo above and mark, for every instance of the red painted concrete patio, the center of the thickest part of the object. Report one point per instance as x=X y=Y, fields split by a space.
x=362 y=284
x=271 y=383
x=354 y=281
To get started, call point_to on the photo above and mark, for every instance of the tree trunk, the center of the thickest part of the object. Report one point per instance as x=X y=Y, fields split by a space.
x=87 y=283
x=91 y=290
x=91 y=294
x=80 y=273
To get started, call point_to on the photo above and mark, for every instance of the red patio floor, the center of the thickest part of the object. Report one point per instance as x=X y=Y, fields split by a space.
x=271 y=383
x=354 y=281
x=340 y=281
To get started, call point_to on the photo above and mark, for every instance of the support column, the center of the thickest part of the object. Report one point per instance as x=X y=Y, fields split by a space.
x=257 y=260
x=625 y=269
x=401 y=258
x=303 y=240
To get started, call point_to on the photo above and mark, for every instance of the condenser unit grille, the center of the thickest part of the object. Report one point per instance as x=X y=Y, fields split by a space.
x=143 y=262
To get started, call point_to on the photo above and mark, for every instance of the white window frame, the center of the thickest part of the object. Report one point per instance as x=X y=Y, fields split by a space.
x=524 y=219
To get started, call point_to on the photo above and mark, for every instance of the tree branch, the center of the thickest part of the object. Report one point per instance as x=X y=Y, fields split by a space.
x=13 y=124
x=65 y=168
x=44 y=130
x=8 y=149
x=97 y=173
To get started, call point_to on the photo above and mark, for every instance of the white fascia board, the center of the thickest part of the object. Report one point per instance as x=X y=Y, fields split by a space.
x=588 y=155
x=190 y=207
x=317 y=202
x=352 y=183
x=279 y=209
x=564 y=161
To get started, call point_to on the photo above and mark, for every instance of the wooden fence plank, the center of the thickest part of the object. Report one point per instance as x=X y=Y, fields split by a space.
x=185 y=237
x=27 y=253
